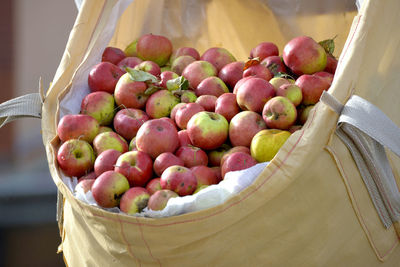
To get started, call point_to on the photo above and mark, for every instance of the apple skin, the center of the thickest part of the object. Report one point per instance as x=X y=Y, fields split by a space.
x=159 y=200
x=179 y=179
x=77 y=126
x=156 y=48
x=180 y=63
x=279 y=113
x=325 y=75
x=157 y=136
x=258 y=70
x=175 y=109
x=234 y=149
x=292 y=92
x=312 y=87
x=217 y=171
x=237 y=161
x=132 y=144
x=75 y=157
x=254 y=93
x=85 y=184
x=130 y=49
x=192 y=156
x=104 y=76
x=211 y=86
x=274 y=63
x=197 y=71
x=106 y=161
x=208 y=130
x=244 y=126
x=231 y=73
x=184 y=139
x=160 y=104
x=108 y=189
x=100 y=105
x=165 y=160
x=87 y=176
x=240 y=82
x=227 y=106
x=136 y=166
x=204 y=175
x=185 y=51
x=207 y=102
x=109 y=140
x=103 y=129
x=218 y=56
x=184 y=113
x=303 y=55
x=277 y=82
x=263 y=50
x=127 y=122
x=215 y=156
x=331 y=64
x=150 y=67
x=188 y=96
x=129 y=93
x=153 y=185
x=134 y=200
x=165 y=76
x=113 y=55
x=130 y=62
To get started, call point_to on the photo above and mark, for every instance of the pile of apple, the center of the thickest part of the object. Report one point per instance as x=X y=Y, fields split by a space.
x=161 y=123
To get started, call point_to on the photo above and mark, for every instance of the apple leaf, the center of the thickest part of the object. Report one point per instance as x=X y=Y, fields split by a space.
x=283 y=75
x=141 y=76
x=251 y=62
x=328 y=45
x=151 y=90
x=180 y=83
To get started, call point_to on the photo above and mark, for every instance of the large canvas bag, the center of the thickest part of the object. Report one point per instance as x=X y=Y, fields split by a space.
x=311 y=206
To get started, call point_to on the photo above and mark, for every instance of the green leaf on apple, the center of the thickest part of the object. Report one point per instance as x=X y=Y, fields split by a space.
x=180 y=83
x=328 y=45
x=141 y=76
x=152 y=89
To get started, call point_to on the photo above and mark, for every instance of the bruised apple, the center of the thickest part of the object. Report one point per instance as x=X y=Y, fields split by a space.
x=179 y=179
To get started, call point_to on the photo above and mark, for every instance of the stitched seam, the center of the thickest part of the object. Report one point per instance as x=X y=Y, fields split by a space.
x=147 y=245
x=128 y=245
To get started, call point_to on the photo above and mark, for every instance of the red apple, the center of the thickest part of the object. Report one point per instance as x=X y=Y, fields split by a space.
x=134 y=200
x=159 y=200
x=244 y=126
x=208 y=130
x=231 y=73
x=87 y=176
x=258 y=70
x=240 y=82
x=184 y=114
x=274 y=64
x=207 y=102
x=211 y=86
x=312 y=87
x=254 y=93
x=234 y=149
x=108 y=189
x=237 y=161
x=127 y=122
x=165 y=160
x=100 y=105
x=325 y=75
x=106 y=160
x=130 y=93
x=215 y=156
x=218 y=56
x=217 y=171
x=192 y=156
x=157 y=136
x=113 y=55
x=153 y=47
x=185 y=51
x=279 y=113
x=153 y=186
x=204 y=175
x=104 y=76
x=75 y=157
x=136 y=166
x=184 y=139
x=77 y=126
x=277 y=82
x=85 y=185
x=180 y=63
x=331 y=64
x=197 y=71
x=179 y=179
x=130 y=62
x=175 y=109
x=227 y=106
x=263 y=50
x=165 y=76
x=150 y=67
x=109 y=140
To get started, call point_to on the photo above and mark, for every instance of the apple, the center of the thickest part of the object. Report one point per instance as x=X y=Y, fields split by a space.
x=184 y=114
x=227 y=106
x=279 y=113
x=185 y=51
x=179 y=179
x=180 y=63
x=304 y=113
x=254 y=93
x=127 y=122
x=231 y=73
x=165 y=160
x=217 y=171
x=85 y=185
x=258 y=70
x=277 y=82
x=266 y=144
x=153 y=185
x=303 y=55
x=130 y=49
x=325 y=75
x=234 y=149
x=136 y=166
x=244 y=126
x=170 y=121
x=129 y=93
x=132 y=144
x=274 y=64
x=88 y=176
x=75 y=157
x=104 y=76
x=192 y=156
x=157 y=136
x=294 y=128
x=218 y=56
x=188 y=96
x=263 y=50
x=208 y=130
x=237 y=161
x=159 y=200
x=106 y=161
x=134 y=200
x=292 y=92
x=331 y=64
x=211 y=86
x=113 y=55
x=161 y=103
x=184 y=139
x=197 y=71
x=156 y=48
x=100 y=105
x=204 y=175
x=78 y=126
x=215 y=156
x=165 y=76
x=109 y=140
x=240 y=82
x=312 y=87
x=207 y=102
x=199 y=188
x=130 y=62
x=175 y=109
x=108 y=189
x=150 y=67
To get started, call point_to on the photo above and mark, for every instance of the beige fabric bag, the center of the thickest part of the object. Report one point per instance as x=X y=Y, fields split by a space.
x=309 y=206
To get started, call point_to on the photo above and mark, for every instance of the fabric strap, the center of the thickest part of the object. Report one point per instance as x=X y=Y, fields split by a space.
x=366 y=131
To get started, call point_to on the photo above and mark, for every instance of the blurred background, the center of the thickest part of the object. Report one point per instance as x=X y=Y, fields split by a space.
x=33 y=39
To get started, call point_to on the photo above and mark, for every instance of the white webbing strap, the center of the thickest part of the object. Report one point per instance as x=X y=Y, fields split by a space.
x=366 y=131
